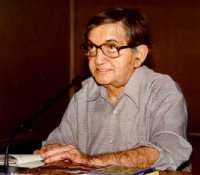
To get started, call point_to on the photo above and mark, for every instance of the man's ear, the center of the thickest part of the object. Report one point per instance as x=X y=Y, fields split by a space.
x=141 y=54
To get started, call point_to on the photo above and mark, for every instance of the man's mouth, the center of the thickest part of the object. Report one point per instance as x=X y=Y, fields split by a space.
x=103 y=70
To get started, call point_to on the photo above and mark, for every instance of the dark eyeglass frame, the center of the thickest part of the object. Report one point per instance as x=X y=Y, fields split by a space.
x=118 y=48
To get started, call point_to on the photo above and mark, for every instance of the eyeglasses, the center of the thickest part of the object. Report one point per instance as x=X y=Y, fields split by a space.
x=110 y=50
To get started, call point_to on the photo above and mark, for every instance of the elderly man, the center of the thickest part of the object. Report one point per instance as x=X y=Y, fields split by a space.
x=125 y=114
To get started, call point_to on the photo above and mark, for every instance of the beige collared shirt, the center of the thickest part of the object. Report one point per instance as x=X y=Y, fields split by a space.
x=151 y=111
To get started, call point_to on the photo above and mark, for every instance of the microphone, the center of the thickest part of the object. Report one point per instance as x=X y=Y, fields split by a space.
x=6 y=168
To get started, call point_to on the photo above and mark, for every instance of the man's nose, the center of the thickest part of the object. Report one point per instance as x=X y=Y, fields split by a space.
x=100 y=57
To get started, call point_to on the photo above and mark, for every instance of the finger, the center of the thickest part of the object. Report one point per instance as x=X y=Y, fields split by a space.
x=46 y=148
x=50 y=146
x=55 y=158
x=59 y=156
x=57 y=151
x=41 y=150
x=75 y=156
x=37 y=151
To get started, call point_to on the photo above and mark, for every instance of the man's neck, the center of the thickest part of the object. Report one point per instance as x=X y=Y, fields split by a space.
x=113 y=93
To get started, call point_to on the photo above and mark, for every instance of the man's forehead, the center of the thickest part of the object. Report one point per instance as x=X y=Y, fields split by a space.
x=108 y=32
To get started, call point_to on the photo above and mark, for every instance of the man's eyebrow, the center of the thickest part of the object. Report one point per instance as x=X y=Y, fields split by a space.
x=88 y=41
x=114 y=41
x=106 y=41
x=111 y=41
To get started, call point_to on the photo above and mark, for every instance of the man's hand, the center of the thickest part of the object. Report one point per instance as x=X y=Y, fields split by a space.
x=140 y=157
x=46 y=148
x=56 y=152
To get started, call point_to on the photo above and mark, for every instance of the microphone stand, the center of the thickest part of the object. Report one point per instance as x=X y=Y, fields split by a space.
x=6 y=168
x=6 y=159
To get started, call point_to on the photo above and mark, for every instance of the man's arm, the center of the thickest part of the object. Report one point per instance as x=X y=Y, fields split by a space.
x=169 y=124
x=140 y=157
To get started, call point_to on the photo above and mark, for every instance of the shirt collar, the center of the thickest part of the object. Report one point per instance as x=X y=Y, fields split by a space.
x=132 y=88
x=93 y=89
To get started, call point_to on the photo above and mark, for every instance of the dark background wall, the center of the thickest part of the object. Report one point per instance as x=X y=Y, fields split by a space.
x=34 y=59
x=34 y=56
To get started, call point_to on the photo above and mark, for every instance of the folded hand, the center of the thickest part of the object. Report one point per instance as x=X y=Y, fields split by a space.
x=56 y=152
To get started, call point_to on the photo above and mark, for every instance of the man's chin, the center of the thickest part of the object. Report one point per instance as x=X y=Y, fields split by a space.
x=102 y=81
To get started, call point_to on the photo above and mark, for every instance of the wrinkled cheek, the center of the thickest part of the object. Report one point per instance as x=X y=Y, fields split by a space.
x=92 y=68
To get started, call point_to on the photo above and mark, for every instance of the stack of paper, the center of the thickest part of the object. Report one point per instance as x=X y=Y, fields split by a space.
x=23 y=160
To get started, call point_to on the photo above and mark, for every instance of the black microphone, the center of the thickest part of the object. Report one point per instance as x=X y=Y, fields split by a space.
x=6 y=168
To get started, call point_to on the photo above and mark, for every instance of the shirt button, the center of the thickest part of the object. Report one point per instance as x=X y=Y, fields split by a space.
x=115 y=112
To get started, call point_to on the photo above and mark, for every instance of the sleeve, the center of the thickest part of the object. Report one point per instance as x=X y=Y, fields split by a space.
x=65 y=133
x=169 y=125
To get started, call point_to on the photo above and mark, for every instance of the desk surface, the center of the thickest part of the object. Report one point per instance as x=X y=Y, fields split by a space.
x=62 y=172
x=64 y=169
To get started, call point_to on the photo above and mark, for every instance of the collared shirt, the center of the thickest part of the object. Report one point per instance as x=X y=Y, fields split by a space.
x=151 y=111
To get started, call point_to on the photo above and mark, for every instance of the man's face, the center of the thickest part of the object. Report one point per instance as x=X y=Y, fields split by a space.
x=108 y=71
